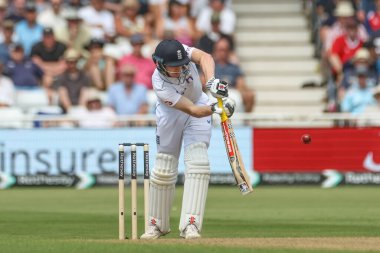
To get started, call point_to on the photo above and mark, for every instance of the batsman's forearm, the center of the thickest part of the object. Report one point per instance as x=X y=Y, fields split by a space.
x=201 y=111
x=208 y=66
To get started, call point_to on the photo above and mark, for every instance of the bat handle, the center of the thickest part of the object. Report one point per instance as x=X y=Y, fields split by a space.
x=223 y=116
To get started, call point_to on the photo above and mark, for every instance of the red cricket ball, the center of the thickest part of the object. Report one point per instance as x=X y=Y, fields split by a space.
x=306 y=139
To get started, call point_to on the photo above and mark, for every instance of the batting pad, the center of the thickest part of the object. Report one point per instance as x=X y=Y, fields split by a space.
x=197 y=177
x=161 y=194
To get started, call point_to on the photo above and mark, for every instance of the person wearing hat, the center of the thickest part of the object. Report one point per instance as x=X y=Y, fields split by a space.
x=344 y=12
x=359 y=96
x=52 y=16
x=183 y=115
x=126 y=96
x=345 y=47
x=74 y=33
x=48 y=55
x=144 y=65
x=8 y=33
x=207 y=41
x=73 y=83
x=94 y=114
x=23 y=72
x=361 y=59
x=129 y=21
x=28 y=31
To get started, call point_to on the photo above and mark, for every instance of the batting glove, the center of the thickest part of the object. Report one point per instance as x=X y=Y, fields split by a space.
x=218 y=88
x=228 y=106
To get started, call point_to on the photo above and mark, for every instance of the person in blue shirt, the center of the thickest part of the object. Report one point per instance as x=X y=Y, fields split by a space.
x=127 y=97
x=23 y=72
x=359 y=96
x=28 y=31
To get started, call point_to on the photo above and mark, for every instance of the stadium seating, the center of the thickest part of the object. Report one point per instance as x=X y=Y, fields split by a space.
x=273 y=44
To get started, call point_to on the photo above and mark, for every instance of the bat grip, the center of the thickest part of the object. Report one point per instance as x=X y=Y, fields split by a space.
x=223 y=116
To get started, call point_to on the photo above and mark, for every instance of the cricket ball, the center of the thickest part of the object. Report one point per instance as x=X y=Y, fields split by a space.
x=306 y=139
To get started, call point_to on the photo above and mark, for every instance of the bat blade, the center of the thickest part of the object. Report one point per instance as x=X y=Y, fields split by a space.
x=234 y=156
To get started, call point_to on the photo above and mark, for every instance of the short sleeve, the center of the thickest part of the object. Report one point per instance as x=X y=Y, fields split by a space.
x=168 y=96
x=164 y=91
x=189 y=50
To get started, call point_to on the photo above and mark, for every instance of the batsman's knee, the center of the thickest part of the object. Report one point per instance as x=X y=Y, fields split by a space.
x=165 y=170
x=196 y=159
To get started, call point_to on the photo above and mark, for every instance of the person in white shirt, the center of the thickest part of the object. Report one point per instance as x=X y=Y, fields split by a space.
x=98 y=19
x=95 y=115
x=7 y=90
x=183 y=115
x=227 y=18
x=52 y=16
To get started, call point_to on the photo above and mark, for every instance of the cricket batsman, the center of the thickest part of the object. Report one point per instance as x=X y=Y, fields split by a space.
x=183 y=116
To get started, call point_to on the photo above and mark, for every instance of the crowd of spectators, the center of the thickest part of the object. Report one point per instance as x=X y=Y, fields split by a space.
x=95 y=55
x=347 y=41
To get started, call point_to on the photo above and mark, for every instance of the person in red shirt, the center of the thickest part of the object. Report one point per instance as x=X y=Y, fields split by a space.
x=144 y=65
x=345 y=47
x=373 y=17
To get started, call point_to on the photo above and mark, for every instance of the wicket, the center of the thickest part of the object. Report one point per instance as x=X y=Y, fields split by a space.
x=133 y=188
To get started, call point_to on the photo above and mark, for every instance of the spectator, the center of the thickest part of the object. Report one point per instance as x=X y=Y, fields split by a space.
x=373 y=17
x=23 y=72
x=48 y=55
x=8 y=28
x=7 y=91
x=74 y=34
x=178 y=23
x=129 y=22
x=207 y=41
x=344 y=14
x=231 y=73
x=345 y=47
x=52 y=16
x=127 y=97
x=94 y=115
x=361 y=59
x=227 y=18
x=16 y=11
x=73 y=83
x=99 y=67
x=3 y=10
x=100 y=20
x=359 y=96
x=28 y=31
x=41 y=5
x=145 y=66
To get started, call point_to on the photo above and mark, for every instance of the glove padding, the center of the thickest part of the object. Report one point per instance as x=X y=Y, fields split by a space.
x=228 y=106
x=218 y=88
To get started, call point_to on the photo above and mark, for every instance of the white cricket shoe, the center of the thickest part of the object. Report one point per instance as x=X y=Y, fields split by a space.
x=153 y=232
x=190 y=232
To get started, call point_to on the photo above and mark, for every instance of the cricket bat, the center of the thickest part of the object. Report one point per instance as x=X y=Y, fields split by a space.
x=233 y=153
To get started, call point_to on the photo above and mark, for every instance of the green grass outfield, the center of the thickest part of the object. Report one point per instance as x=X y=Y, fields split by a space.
x=272 y=219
